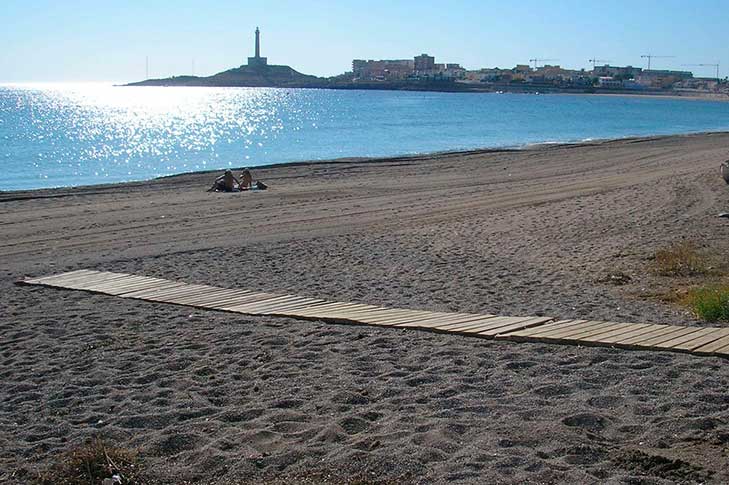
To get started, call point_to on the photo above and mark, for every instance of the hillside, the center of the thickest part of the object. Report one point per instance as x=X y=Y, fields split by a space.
x=244 y=76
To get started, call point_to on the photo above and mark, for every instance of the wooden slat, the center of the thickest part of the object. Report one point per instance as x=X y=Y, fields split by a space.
x=655 y=341
x=378 y=312
x=47 y=280
x=486 y=325
x=188 y=298
x=724 y=351
x=648 y=329
x=712 y=347
x=232 y=305
x=601 y=328
x=378 y=318
x=542 y=328
x=687 y=337
x=272 y=304
x=200 y=294
x=317 y=310
x=475 y=327
x=327 y=307
x=184 y=289
x=128 y=281
x=455 y=319
x=352 y=309
x=232 y=297
x=549 y=327
x=406 y=317
x=583 y=330
x=303 y=303
x=559 y=333
x=382 y=316
x=492 y=321
x=499 y=330
x=493 y=326
x=393 y=317
x=38 y=280
x=244 y=302
x=190 y=291
x=369 y=318
x=103 y=287
x=76 y=276
x=565 y=333
x=83 y=283
x=104 y=282
x=710 y=337
x=397 y=313
x=142 y=294
x=664 y=330
x=624 y=333
x=202 y=297
x=142 y=285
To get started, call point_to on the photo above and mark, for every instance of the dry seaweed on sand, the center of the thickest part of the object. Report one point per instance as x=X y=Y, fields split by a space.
x=93 y=462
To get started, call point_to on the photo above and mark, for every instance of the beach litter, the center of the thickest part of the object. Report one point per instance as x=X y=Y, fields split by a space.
x=114 y=480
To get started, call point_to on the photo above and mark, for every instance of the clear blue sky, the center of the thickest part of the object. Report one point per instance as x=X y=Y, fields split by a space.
x=93 y=40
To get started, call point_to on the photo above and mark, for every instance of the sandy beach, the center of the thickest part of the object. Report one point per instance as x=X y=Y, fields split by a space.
x=213 y=397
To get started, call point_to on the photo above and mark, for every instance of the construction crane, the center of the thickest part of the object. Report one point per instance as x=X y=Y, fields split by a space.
x=651 y=56
x=715 y=66
x=595 y=61
x=535 y=61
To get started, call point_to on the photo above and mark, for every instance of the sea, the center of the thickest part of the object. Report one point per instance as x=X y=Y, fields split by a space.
x=60 y=135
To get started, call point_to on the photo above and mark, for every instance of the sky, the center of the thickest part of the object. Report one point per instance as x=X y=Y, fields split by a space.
x=92 y=40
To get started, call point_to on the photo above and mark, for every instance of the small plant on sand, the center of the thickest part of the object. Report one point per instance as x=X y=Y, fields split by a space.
x=681 y=259
x=92 y=462
x=710 y=302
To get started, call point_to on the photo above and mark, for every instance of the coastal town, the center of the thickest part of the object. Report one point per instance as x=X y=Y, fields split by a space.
x=424 y=68
x=423 y=73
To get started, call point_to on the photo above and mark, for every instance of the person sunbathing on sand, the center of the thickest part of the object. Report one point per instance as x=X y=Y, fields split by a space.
x=225 y=183
x=246 y=180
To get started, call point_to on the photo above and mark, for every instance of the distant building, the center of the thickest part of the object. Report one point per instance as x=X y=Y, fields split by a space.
x=700 y=83
x=662 y=78
x=454 y=71
x=424 y=63
x=547 y=73
x=422 y=67
x=631 y=84
x=385 y=69
x=609 y=82
x=257 y=60
x=627 y=72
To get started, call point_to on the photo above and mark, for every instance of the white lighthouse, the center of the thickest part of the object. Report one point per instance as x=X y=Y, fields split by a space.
x=257 y=60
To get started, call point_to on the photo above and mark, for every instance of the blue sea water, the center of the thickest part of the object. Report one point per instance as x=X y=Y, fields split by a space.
x=66 y=135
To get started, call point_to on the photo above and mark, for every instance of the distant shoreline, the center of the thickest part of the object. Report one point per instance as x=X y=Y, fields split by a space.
x=533 y=89
x=432 y=86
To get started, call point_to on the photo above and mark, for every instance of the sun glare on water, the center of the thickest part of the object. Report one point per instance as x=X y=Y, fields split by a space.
x=107 y=131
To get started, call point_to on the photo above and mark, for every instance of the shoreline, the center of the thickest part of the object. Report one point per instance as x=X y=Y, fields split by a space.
x=68 y=190
x=444 y=87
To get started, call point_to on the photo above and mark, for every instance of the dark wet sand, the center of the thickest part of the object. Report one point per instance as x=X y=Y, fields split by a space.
x=223 y=398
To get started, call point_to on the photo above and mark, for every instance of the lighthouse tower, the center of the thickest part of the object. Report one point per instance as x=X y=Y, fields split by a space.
x=258 y=60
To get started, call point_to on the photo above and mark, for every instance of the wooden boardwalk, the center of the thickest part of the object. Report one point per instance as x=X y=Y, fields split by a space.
x=696 y=340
